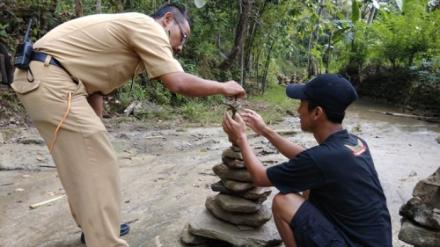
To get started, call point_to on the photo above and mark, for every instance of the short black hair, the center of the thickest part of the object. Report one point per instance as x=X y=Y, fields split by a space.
x=179 y=11
x=334 y=117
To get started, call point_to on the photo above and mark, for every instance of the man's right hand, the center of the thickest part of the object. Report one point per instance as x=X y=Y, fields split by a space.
x=254 y=121
x=233 y=89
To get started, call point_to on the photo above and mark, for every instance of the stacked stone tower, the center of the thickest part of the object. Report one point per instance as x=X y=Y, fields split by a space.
x=239 y=202
x=237 y=214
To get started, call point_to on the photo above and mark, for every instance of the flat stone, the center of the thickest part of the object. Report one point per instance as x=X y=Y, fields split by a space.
x=208 y=226
x=257 y=194
x=255 y=220
x=236 y=204
x=224 y=172
x=229 y=153
x=237 y=186
x=233 y=163
x=188 y=238
x=421 y=213
x=237 y=148
x=418 y=236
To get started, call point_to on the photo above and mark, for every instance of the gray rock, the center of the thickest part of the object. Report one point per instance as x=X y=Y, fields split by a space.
x=257 y=194
x=421 y=213
x=224 y=172
x=418 y=236
x=237 y=149
x=229 y=153
x=237 y=186
x=208 y=226
x=188 y=238
x=30 y=140
x=144 y=108
x=254 y=220
x=233 y=163
x=236 y=204
x=438 y=139
x=428 y=189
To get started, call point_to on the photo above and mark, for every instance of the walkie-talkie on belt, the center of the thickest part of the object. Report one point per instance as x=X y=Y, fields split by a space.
x=24 y=50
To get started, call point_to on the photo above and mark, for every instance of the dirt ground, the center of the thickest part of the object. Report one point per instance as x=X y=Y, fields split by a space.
x=166 y=173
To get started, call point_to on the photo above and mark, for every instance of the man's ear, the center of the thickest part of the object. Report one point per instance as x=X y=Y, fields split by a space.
x=168 y=18
x=318 y=112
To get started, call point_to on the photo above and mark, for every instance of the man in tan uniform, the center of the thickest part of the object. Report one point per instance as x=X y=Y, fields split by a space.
x=72 y=67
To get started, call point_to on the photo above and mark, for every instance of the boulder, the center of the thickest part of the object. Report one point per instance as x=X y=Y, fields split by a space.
x=257 y=194
x=224 y=172
x=255 y=220
x=421 y=213
x=418 y=236
x=428 y=190
x=236 y=204
x=208 y=226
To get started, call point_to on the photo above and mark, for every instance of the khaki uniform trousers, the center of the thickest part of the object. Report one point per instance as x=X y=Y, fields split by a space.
x=84 y=157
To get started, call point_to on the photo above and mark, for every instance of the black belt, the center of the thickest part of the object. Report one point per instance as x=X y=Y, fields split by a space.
x=39 y=56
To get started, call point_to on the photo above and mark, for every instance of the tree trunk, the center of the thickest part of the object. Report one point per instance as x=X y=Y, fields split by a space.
x=328 y=52
x=266 y=67
x=98 y=6
x=119 y=5
x=253 y=31
x=313 y=36
x=245 y=9
x=44 y=16
x=78 y=8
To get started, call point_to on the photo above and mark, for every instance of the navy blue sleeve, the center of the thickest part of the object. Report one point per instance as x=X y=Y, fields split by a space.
x=296 y=175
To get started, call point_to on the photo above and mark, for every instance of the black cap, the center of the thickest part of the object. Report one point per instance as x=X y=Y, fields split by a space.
x=330 y=91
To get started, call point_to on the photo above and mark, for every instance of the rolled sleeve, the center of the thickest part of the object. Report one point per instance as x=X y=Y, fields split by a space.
x=152 y=45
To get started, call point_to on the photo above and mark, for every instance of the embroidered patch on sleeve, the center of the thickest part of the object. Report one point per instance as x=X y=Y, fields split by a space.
x=358 y=149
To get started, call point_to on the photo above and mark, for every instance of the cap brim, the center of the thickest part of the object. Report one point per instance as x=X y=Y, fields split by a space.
x=296 y=91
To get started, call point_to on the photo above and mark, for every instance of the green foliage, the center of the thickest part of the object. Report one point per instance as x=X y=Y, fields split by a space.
x=404 y=39
x=274 y=104
x=281 y=38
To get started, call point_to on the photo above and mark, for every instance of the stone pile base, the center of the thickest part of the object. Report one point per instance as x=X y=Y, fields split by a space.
x=237 y=214
x=421 y=214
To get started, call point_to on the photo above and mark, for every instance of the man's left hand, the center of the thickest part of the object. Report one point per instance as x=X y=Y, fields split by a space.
x=234 y=127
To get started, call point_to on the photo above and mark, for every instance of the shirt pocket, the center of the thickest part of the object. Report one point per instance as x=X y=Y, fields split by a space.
x=24 y=82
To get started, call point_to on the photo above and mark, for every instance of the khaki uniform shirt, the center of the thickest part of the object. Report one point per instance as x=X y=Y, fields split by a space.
x=106 y=50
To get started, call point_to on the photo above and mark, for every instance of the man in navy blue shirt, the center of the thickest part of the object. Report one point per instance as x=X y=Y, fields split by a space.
x=330 y=194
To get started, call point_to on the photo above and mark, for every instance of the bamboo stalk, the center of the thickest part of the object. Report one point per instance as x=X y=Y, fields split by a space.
x=39 y=204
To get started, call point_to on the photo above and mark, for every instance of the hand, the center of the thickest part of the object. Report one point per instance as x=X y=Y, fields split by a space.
x=233 y=89
x=236 y=129
x=254 y=121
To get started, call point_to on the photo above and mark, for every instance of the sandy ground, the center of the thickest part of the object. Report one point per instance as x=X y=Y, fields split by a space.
x=166 y=174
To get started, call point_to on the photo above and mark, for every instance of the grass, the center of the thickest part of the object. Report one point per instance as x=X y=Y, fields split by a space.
x=272 y=106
